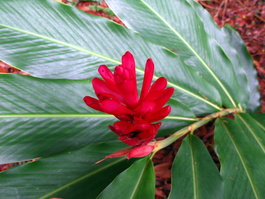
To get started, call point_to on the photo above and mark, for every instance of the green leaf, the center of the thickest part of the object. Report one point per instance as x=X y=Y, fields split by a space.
x=138 y=181
x=240 y=146
x=231 y=51
x=194 y=174
x=182 y=31
x=41 y=117
x=71 y=174
x=81 y=42
x=247 y=61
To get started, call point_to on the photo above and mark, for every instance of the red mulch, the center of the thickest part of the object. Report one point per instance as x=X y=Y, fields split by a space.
x=248 y=18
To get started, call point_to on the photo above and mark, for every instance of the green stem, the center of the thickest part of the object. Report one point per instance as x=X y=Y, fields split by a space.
x=172 y=138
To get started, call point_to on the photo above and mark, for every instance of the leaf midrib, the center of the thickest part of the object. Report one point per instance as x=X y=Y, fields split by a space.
x=252 y=132
x=139 y=179
x=111 y=60
x=185 y=91
x=194 y=173
x=56 y=116
x=67 y=185
x=193 y=51
x=4 y=116
x=63 y=43
x=242 y=160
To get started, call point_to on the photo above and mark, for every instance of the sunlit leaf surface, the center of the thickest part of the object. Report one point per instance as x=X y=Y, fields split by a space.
x=177 y=26
x=83 y=42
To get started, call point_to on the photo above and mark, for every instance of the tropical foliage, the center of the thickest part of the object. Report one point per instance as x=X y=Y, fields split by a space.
x=43 y=116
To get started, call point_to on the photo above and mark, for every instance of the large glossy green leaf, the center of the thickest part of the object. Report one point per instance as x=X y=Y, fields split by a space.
x=233 y=52
x=183 y=31
x=194 y=174
x=240 y=146
x=247 y=61
x=40 y=117
x=72 y=44
x=68 y=175
x=138 y=181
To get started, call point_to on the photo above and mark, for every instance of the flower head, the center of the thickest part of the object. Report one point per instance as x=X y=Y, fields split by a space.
x=117 y=94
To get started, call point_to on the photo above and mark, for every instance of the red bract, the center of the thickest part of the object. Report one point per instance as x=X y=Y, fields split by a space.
x=117 y=94
x=136 y=132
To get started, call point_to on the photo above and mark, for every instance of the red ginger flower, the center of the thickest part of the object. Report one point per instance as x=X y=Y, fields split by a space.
x=118 y=95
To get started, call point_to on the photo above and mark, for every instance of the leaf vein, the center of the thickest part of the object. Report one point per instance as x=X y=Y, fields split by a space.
x=242 y=160
x=193 y=51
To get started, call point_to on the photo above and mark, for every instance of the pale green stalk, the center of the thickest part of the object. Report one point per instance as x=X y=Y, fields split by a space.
x=172 y=138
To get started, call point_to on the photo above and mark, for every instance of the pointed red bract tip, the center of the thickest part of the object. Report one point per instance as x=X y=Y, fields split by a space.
x=125 y=79
x=148 y=76
x=159 y=115
x=92 y=102
x=131 y=152
x=128 y=61
x=106 y=74
x=158 y=85
x=120 y=153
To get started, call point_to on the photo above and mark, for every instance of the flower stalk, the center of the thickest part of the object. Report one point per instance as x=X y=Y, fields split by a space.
x=173 y=137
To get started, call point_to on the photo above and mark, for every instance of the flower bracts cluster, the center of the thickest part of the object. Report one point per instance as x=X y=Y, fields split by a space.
x=118 y=95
